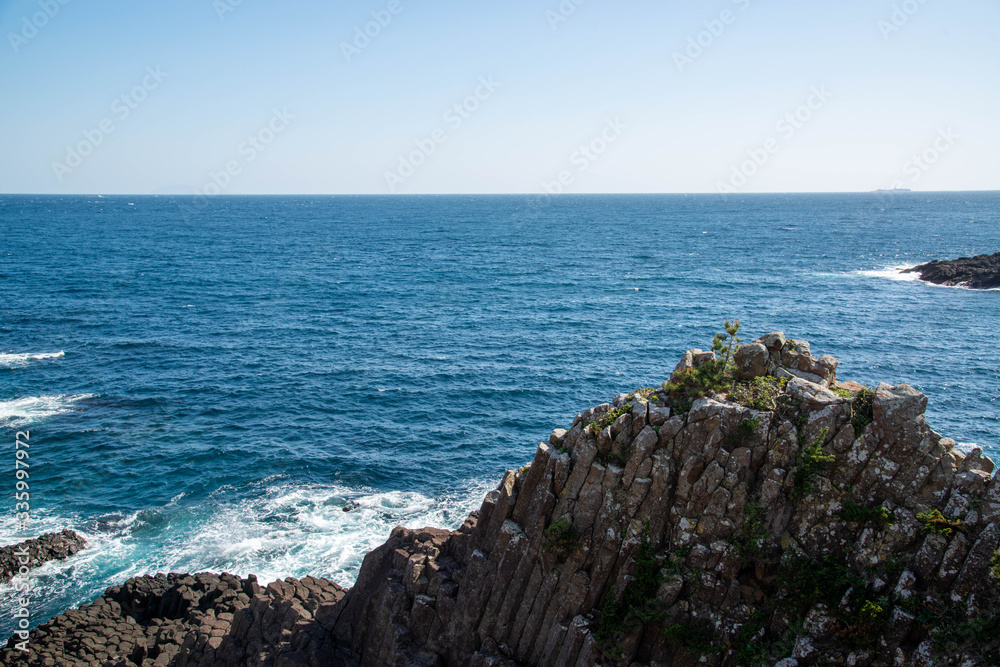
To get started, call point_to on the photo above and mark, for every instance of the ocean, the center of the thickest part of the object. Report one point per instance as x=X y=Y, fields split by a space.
x=209 y=383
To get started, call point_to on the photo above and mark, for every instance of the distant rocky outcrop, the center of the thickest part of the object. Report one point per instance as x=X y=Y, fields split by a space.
x=979 y=272
x=32 y=553
x=786 y=519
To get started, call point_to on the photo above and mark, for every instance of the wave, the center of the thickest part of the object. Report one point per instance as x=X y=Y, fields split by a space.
x=897 y=273
x=297 y=530
x=24 y=411
x=270 y=530
x=892 y=273
x=22 y=360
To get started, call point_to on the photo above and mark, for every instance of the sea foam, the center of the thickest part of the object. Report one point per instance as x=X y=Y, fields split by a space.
x=278 y=529
x=21 y=360
x=24 y=411
x=897 y=273
x=892 y=273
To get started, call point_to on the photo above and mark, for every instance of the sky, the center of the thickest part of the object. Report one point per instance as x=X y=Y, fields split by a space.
x=574 y=96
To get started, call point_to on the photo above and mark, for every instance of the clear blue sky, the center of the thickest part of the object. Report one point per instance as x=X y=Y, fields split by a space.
x=929 y=88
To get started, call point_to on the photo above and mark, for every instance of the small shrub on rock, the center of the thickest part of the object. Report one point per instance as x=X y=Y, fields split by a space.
x=759 y=394
x=937 y=523
x=638 y=604
x=713 y=376
x=609 y=418
x=863 y=410
x=561 y=537
x=855 y=513
x=862 y=407
x=811 y=461
x=753 y=541
x=745 y=433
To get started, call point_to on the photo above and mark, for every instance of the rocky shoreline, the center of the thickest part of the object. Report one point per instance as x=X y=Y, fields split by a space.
x=26 y=556
x=201 y=619
x=979 y=272
x=778 y=517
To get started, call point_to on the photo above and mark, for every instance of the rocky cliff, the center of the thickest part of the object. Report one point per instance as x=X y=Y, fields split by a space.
x=759 y=513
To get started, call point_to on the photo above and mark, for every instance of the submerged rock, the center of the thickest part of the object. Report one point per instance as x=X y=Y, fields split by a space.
x=979 y=272
x=833 y=527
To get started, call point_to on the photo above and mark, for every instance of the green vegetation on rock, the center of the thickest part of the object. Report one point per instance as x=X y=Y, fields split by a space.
x=811 y=461
x=854 y=513
x=862 y=410
x=862 y=407
x=561 y=537
x=638 y=604
x=752 y=543
x=935 y=522
x=745 y=433
x=709 y=377
x=760 y=394
x=609 y=418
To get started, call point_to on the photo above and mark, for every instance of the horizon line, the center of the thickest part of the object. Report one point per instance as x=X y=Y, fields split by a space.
x=487 y=194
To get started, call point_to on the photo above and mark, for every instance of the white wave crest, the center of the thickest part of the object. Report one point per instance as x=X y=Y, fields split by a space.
x=22 y=360
x=24 y=411
x=897 y=273
x=280 y=531
x=892 y=273
x=294 y=531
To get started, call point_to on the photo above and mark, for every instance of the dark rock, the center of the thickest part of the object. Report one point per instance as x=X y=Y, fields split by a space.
x=35 y=552
x=979 y=272
x=202 y=619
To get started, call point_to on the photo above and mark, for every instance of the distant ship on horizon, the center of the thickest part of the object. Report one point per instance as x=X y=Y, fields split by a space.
x=895 y=189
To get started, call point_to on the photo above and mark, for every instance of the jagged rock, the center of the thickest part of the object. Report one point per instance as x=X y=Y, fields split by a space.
x=774 y=342
x=695 y=501
x=667 y=537
x=32 y=553
x=187 y=620
x=979 y=272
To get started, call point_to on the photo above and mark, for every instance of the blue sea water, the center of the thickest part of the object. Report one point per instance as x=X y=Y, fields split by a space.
x=208 y=383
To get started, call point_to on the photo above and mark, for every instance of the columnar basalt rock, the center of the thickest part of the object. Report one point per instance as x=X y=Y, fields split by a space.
x=833 y=527
x=749 y=553
x=38 y=551
x=188 y=620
